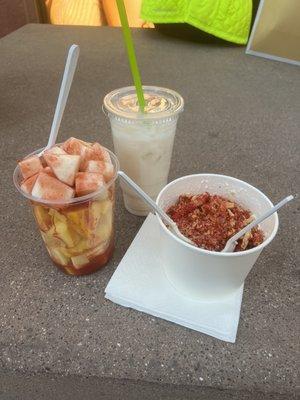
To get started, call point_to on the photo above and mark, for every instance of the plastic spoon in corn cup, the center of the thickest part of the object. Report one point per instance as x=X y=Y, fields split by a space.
x=65 y=87
x=232 y=242
x=154 y=207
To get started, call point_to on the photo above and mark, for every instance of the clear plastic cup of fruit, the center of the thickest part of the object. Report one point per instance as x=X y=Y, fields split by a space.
x=76 y=221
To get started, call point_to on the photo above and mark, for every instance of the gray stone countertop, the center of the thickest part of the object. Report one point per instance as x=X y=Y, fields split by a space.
x=241 y=118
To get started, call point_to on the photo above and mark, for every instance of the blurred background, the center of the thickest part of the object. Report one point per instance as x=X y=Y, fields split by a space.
x=16 y=13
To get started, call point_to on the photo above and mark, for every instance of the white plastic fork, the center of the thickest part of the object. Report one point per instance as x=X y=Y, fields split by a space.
x=65 y=87
x=232 y=242
x=154 y=207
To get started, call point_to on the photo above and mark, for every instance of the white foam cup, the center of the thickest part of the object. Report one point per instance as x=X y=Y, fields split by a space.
x=203 y=274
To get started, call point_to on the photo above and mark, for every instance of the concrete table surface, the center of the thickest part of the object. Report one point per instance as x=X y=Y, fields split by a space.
x=242 y=119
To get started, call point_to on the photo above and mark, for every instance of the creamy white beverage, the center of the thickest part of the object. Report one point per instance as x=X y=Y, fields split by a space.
x=143 y=142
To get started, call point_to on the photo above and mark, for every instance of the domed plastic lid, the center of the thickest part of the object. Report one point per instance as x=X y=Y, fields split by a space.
x=161 y=103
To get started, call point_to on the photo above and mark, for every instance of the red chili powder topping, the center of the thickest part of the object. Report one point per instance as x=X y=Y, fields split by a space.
x=210 y=220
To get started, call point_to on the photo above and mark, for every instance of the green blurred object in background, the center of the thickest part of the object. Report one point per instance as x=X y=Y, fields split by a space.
x=226 y=19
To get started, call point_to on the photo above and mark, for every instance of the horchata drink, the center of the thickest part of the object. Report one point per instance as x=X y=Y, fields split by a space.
x=143 y=141
x=71 y=190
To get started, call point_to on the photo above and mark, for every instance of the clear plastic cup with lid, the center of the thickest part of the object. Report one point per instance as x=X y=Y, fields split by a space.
x=143 y=141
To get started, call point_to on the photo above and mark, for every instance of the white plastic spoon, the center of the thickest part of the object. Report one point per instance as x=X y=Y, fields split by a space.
x=232 y=242
x=153 y=206
x=69 y=71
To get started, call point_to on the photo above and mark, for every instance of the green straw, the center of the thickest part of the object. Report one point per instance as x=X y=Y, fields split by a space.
x=131 y=54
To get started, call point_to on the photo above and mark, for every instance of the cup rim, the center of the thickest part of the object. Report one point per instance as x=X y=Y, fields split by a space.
x=74 y=200
x=217 y=253
x=109 y=109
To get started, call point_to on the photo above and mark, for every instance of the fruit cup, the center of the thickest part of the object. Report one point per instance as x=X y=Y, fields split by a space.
x=78 y=233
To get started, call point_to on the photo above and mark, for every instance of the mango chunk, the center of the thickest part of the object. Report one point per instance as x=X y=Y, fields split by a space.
x=83 y=259
x=104 y=207
x=43 y=217
x=80 y=247
x=63 y=230
x=51 y=240
x=103 y=230
x=100 y=249
x=79 y=220
x=95 y=214
x=69 y=271
x=79 y=261
x=58 y=257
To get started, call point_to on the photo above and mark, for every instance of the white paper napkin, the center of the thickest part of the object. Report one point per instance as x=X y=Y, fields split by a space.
x=139 y=282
